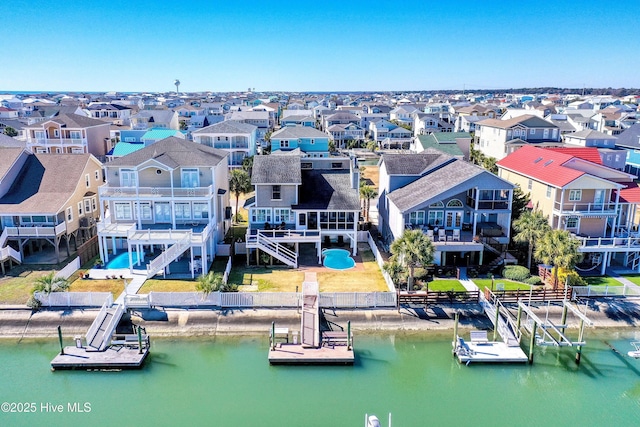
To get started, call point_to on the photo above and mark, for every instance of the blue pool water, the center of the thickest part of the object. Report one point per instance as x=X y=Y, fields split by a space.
x=337 y=259
x=121 y=260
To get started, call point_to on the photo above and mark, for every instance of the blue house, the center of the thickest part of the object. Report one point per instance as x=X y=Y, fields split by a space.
x=629 y=140
x=309 y=140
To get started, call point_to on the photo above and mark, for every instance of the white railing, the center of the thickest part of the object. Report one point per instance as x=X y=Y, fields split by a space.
x=8 y=251
x=346 y=300
x=378 y=256
x=137 y=301
x=74 y=299
x=605 y=291
x=37 y=231
x=69 y=269
x=61 y=141
x=93 y=329
x=110 y=327
x=167 y=257
x=227 y=271
x=277 y=250
x=106 y=191
x=292 y=235
x=585 y=207
x=158 y=236
x=608 y=242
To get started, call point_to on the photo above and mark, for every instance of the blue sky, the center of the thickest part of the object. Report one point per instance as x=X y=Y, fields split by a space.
x=231 y=45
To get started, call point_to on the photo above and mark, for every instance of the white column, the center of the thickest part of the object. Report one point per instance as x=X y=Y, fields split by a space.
x=101 y=249
x=191 y=266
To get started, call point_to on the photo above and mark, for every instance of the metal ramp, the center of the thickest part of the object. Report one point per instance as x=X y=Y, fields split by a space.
x=502 y=322
x=98 y=336
x=310 y=322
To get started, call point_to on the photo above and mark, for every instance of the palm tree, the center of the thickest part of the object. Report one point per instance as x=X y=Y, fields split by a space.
x=413 y=249
x=367 y=193
x=208 y=283
x=51 y=283
x=560 y=249
x=530 y=227
x=239 y=183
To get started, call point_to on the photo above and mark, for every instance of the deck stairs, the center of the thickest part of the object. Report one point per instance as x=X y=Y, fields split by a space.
x=99 y=335
x=506 y=327
x=159 y=263
x=6 y=251
x=273 y=248
x=632 y=260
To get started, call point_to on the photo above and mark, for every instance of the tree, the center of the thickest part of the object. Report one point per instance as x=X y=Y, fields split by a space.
x=51 y=283
x=372 y=146
x=332 y=146
x=560 y=249
x=239 y=183
x=208 y=283
x=367 y=193
x=530 y=227
x=519 y=203
x=413 y=249
x=9 y=131
x=247 y=164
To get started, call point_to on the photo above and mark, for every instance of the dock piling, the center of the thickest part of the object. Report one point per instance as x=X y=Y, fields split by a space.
x=139 y=341
x=455 y=331
x=532 y=342
x=60 y=339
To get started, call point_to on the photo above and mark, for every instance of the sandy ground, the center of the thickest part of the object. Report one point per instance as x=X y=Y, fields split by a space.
x=18 y=323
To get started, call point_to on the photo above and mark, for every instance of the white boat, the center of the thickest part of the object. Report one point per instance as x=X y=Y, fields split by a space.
x=373 y=421
x=635 y=353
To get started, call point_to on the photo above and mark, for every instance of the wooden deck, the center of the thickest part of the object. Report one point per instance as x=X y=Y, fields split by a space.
x=114 y=357
x=488 y=352
x=296 y=354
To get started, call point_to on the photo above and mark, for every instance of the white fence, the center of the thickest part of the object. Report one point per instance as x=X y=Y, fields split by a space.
x=271 y=299
x=223 y=249
x=69 y=269
x=227 y=271
x=380 y=261
x=605 y=291
x=73 y=299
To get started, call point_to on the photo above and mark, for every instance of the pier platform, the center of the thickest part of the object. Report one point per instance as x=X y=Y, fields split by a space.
x=114 y=357
x=296 y=354
x=488 y=352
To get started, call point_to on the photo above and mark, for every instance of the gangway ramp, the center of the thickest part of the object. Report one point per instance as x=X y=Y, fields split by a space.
x=98 y=336
x=501 y=321
x=310 y=321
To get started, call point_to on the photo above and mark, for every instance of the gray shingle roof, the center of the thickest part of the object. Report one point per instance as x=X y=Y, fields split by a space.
x=630 y=138
x=8 y=156
x=173 y=152
x=414 y=164
x=44 y=184
x=7 y=141
x=328 y=190
x=449 y=177
x=298 y=132
x=71 y=121
x=228 y=126
x=276 y=170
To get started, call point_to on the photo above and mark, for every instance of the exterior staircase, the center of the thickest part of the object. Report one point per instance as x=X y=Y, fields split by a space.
x=7 y=252
x=167 y=257
x=632 y=260
x=273 y=248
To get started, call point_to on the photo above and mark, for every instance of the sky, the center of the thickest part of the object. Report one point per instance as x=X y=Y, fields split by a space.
x=347 y=45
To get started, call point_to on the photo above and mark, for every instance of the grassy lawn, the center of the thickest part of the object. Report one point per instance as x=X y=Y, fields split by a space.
x=16 y=287
x=607 y=281
x=446 y=285
x=370 y=280
x=633 y=278
x=509 y=285
x=168 y=285
x=115 y=286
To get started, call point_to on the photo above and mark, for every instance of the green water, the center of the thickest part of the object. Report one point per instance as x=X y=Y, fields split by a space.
x=228 y=382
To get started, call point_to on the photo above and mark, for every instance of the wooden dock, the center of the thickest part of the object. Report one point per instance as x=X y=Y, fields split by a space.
x=297 y=354
x=113 y=358
x=488 y=352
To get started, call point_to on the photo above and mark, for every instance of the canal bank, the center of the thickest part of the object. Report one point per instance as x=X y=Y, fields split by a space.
x=22 y=323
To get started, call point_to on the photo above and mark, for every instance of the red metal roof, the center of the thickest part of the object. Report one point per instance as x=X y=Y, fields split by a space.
x=542 y=165
x=590 y=154
x=631 y=194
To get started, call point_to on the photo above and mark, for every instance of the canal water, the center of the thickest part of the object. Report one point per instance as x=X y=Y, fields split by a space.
x=228 y=382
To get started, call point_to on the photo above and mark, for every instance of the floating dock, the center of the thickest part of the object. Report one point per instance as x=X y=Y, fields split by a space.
x=296 y=354
x=113 y=358
x=488 y=352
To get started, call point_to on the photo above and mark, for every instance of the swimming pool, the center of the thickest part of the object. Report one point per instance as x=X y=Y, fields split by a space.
x=121 y=260
x=337 y=259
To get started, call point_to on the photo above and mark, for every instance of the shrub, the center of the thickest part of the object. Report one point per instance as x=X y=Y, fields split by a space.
x=533 y=280
x=516 y=272
x=571 y=278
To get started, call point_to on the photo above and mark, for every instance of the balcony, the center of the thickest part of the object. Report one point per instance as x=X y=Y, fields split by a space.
x=582 y=209
x=37 y=230
x=59 y=141
x=227 y=145
x=107 y=191
x=488 y=204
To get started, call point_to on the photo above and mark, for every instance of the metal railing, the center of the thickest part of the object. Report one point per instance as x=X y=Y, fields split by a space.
x=95 y=325
x=108 y=191
x=601 y=208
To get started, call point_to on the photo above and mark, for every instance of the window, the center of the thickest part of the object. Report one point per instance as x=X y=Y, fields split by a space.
x=87 y=205
x=282 y=215
x=530 y=185
x=336 y=165
x=56 y=133
x=123 y=210
x=260 y=215
x=190 y=178
x=87 y=180
x=436 y=217
x=575 y=195
x=93 y=203
x=454 y=203
x=97 y=175
x=75 y=134
x=69 y=214
x=284 y=144
x=313 y=141
x=182 y=210
x=306 y=165
x=549 y=191
x=143 y=211
x=437 y=205
x=532 y=131
x=128 y=178
x=572 y=222
x=276 y=192
x=200 y=210
x=80 y=207
x=416 y=217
